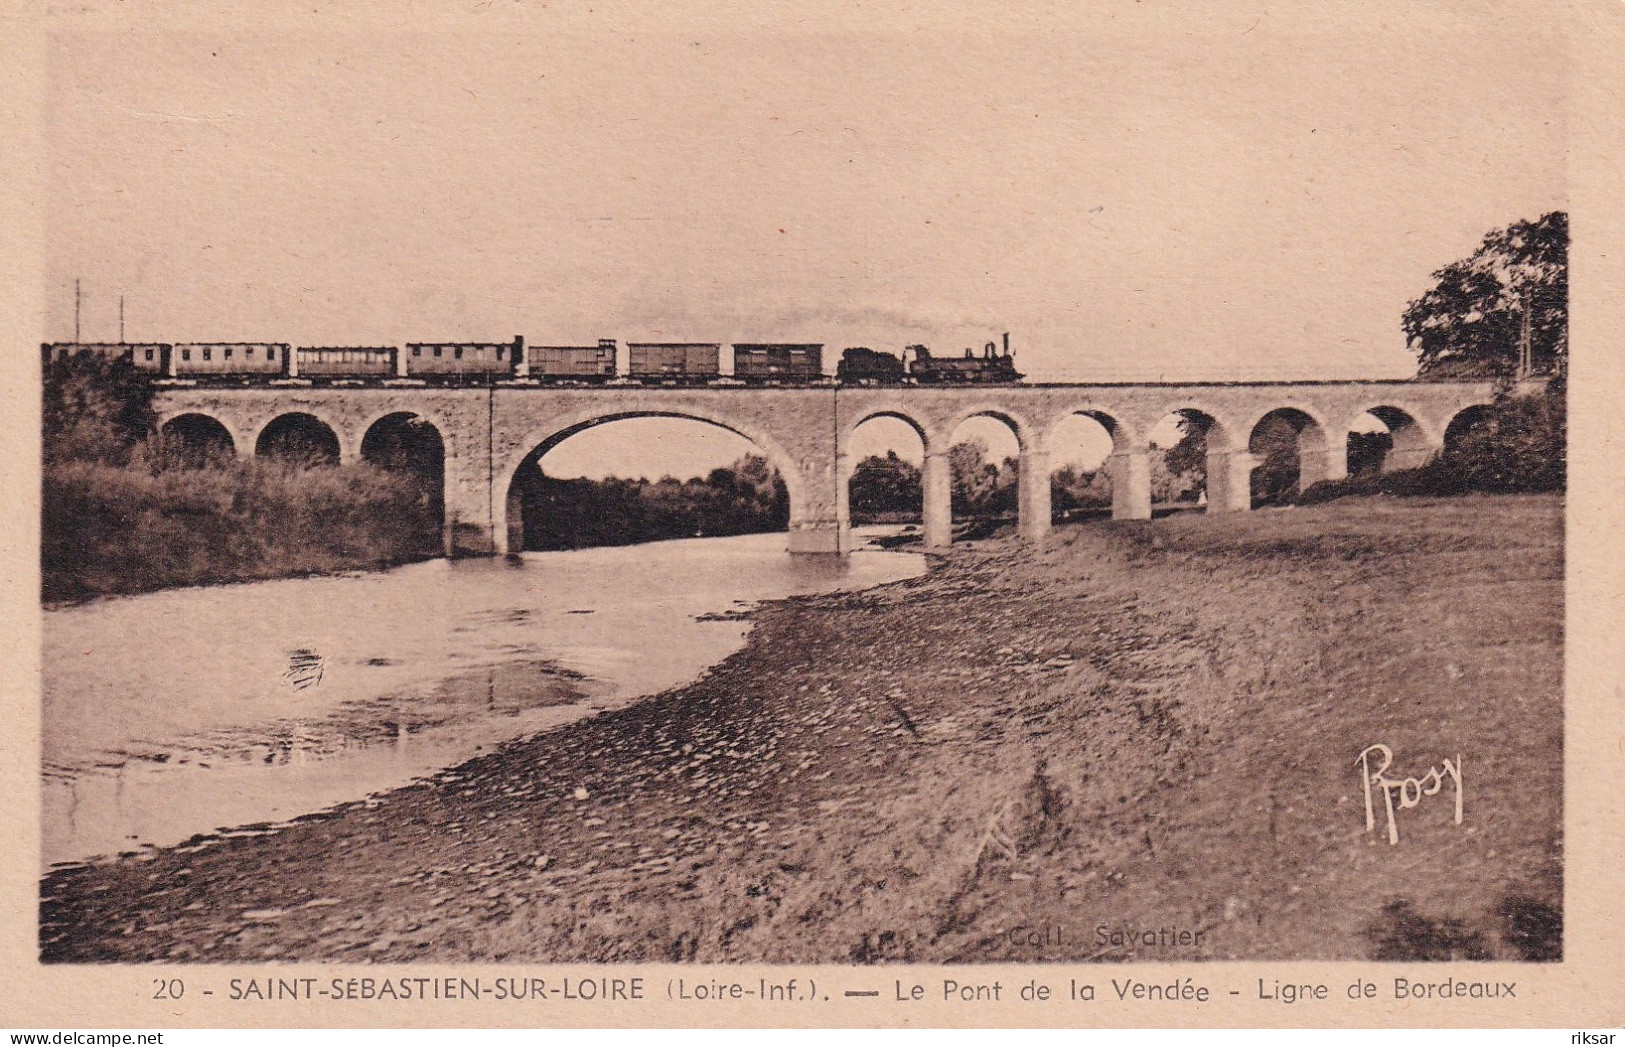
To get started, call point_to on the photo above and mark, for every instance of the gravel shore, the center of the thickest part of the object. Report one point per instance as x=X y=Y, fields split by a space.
x=1136 y=743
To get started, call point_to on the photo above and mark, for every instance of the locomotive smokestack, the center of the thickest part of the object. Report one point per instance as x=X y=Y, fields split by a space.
x=1007 y=343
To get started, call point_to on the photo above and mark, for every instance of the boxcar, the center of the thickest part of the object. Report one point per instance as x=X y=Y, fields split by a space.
x=565 y=363
x=680 y=362
x=760 y=363
x=143 y=356
x=464 y=361
x=229 y=359
x=346 y=361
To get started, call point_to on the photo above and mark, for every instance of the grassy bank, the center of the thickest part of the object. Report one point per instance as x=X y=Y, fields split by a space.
x=1145 y=725
x=127 y=528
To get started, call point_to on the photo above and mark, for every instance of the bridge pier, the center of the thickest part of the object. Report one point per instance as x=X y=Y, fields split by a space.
x=470 y=525
x=819 y=537
x=937 y=494
x=1230 y=481
x=1131 y=484
x=1330 y=464
x=1033 y=496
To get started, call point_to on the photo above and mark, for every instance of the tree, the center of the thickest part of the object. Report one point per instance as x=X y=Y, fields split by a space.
x=94 y=409
x=979 y=486
x=1471 y=323
x=1181 y=470
x=885 y=486
x=1073 y=488
x=1275 y=442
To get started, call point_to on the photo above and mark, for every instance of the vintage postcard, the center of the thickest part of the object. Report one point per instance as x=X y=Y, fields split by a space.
x=812 y=515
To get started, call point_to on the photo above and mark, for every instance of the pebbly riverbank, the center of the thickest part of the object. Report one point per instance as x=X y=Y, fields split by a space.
x=1142 y=726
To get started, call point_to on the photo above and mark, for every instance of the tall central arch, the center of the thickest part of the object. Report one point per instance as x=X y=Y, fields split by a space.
x=509 y=510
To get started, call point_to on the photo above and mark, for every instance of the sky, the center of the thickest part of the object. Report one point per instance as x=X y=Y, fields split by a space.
x=1250 y=197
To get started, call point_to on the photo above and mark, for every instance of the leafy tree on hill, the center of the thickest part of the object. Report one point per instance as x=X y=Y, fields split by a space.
x=1471 y=322
x=94 y=410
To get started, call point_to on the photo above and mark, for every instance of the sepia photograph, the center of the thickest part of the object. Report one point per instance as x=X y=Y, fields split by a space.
x=704 y=491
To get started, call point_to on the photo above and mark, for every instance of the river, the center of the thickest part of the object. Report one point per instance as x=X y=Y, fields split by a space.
x=235 y=708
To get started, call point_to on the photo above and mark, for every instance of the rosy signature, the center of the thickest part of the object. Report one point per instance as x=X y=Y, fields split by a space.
x=1409 y=790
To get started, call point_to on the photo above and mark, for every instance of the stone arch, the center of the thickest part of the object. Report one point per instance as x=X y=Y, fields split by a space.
x=1413 y=443
x=1125 y=439
x=1125 y=436
x=537 y=442
x=1224 y=466
x=299 y=434
x=847 y=461
x=1032 y=473
x=1220 y=431
x=930 y=442
x=441 y=426
x=195 y=437
x=1463 y=422
x=1281 y=471
x=418 y=451
x=1027 y=436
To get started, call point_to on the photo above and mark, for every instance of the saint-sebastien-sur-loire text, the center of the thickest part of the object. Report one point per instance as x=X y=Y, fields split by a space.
x=423 y=988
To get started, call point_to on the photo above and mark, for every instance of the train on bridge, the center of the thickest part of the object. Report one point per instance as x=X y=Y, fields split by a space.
x=755 y=364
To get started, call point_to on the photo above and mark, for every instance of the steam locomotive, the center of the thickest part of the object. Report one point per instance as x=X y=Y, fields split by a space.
x=486 y=363
x=862 y=366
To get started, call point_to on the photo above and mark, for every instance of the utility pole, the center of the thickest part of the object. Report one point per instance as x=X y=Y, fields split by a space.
x=1526 y=362
x=77 y=300
x=120 y=319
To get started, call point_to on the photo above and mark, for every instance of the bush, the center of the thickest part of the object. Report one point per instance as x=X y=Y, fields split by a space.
x=152 y=525
x=1520 y=446
x=126 y=511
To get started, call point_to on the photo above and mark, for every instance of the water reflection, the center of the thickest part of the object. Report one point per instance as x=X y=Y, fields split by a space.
x=182 y=712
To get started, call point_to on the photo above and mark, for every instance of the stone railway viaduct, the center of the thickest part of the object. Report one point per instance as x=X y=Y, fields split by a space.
x=488 y=434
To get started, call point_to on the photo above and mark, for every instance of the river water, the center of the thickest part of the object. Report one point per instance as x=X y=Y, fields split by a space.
x=237 y=707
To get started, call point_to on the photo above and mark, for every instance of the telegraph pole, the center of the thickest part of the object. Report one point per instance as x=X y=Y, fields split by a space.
x=78 y=299
x=1526 y=362
x=120 y=319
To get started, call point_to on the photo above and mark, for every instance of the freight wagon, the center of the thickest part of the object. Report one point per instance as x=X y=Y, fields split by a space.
x=759 y=363
x=675 y=363
x=572 y=363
